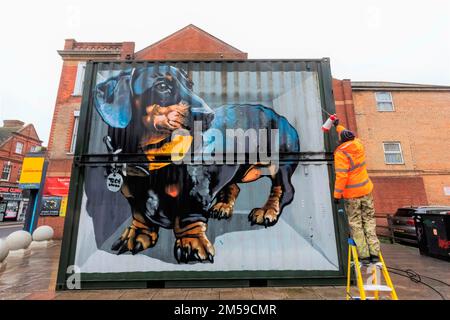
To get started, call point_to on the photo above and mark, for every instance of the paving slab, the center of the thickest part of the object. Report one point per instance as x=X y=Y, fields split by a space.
x=330 y=293
x=203 y=294
x=301 y=293
x=139 y=294
x=72 y=295
x=236 y=294
x=265 y=294
x=104 y=295
x=49 y=295
x=171 y=294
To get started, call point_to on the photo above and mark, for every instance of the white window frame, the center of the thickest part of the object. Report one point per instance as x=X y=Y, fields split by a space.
x=384 y=101
x=18 y=143
x=79 y=80
x=73 y=141
x=393 y=152
x=9 y=166
x=34 y=148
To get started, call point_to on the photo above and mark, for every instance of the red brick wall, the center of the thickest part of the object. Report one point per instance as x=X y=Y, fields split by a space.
x=63 y=116
x=190 y=43
x=342 y=91
x=420 y=123
x=391 y=193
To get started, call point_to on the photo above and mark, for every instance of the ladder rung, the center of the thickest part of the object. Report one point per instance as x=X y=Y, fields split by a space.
x=375 y=287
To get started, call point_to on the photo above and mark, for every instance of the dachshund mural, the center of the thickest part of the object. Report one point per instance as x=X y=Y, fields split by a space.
x=154 y=113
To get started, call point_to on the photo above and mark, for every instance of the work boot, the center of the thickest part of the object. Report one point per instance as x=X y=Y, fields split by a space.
x=365 y=262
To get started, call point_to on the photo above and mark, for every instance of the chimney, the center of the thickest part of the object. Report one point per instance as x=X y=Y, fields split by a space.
x=12 y=123
x=69 y=44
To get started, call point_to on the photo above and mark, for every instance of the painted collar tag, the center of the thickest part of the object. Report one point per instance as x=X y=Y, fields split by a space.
x=114 y=182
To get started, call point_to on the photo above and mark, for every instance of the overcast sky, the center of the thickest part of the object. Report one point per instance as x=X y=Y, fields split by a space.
x=401 y=41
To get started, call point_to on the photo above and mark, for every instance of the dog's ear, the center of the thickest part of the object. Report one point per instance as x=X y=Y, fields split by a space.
x=112 y=99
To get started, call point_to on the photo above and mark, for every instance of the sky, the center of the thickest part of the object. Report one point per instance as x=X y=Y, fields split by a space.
x=399 y=41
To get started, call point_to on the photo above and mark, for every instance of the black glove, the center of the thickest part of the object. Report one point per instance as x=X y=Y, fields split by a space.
x=336 y=122
x=337 y=201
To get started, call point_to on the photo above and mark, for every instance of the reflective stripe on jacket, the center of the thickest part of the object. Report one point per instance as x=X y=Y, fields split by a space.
x=352 y=180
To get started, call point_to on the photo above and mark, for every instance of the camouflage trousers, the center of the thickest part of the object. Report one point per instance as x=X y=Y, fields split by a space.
x=361 y=218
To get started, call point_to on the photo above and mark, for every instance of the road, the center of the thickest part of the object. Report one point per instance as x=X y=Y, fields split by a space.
x=6 y=229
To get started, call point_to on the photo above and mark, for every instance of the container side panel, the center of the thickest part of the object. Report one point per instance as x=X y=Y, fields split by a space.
x=205 y=166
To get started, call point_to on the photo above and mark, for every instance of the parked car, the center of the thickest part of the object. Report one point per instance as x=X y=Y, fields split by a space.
x=402 y=226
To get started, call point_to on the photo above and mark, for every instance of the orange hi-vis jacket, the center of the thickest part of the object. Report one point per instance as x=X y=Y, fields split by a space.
x=352 y=180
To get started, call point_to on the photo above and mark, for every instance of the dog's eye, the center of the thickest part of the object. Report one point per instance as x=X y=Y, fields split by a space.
x=162 y=86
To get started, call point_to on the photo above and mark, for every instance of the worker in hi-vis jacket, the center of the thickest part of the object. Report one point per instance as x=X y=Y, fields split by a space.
x=354 y=185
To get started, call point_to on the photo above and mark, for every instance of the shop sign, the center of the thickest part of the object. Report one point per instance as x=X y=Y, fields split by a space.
x=31 y=175
x=50 y=206
x=56 y=186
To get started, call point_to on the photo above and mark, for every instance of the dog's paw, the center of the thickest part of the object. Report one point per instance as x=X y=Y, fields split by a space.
x=135 y=240
x=266 y=216
x=194 y=249
x=221 y=210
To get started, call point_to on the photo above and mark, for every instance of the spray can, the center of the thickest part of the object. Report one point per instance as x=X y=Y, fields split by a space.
x=327 y=125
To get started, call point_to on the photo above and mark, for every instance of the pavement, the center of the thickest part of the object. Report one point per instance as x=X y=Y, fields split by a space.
x=8 y=227
x=33 y=276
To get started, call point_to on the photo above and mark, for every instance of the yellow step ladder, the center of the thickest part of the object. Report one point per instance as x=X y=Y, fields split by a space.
x=373 y=282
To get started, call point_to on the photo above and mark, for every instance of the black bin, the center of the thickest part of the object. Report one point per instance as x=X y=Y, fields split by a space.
x=433 y=235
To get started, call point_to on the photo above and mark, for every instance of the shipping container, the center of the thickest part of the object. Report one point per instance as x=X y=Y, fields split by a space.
x=214 y=173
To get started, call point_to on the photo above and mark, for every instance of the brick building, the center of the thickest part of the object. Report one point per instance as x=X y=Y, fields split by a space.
x=406 y=131
x=16 y=140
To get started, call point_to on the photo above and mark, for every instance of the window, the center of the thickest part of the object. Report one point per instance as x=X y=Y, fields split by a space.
x=76 y=115
x=19 y=172
x=384 y=101
x=393 y=153
x=6 y=171
x=19 y=147
x=78 y=89
x=34 y=149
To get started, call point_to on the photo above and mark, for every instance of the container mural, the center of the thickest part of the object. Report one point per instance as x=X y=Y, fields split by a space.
x=190 y=167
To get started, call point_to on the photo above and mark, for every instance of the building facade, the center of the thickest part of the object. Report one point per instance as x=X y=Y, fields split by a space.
x=16 y=140
x=406 y=130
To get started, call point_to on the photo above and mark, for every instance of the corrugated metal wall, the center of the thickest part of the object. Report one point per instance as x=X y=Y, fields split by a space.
x=305 y=236
x=291 y=89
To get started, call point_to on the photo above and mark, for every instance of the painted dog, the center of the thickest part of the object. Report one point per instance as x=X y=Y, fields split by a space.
x=143 y=108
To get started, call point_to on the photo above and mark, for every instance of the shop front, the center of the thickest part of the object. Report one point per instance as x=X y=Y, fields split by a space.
x=13 y=204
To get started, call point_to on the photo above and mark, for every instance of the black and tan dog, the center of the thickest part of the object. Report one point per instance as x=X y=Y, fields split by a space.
x=143 y=108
